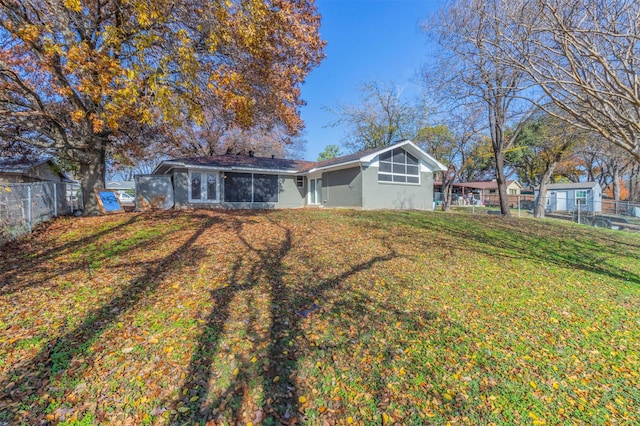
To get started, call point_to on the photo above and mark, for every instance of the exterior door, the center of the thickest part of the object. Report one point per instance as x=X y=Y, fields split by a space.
x=315 y=191
x=203 y=187
x=561 y=200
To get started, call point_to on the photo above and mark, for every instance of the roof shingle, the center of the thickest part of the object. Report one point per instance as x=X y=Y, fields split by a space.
x=20 y=164
x=245 y=161
x=266 y=163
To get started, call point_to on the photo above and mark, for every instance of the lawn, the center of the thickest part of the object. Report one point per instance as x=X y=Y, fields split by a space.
x=319 y=317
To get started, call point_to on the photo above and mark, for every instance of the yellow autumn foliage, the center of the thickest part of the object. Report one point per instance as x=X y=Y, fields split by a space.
x=73 y=5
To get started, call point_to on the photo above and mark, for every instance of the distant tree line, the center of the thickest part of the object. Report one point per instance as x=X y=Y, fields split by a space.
x=544 y=89
x=543 y=149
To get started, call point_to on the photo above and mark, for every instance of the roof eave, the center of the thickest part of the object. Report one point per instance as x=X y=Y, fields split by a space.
x=254 y=169
x=438 y=166
x=168 y=165
x=334 y=166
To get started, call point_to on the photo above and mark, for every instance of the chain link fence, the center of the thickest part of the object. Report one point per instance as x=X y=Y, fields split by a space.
x=619 y=215
x=520 y=201
x=24 y=205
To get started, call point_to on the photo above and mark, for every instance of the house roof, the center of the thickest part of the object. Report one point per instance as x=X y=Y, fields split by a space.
x=491 y=184
x=234 y=162
x=230 y=162
x=572 y=185
x=19 y=165
x=23 y=165
x=345 y=159
x=121 y=184
x=369 y=155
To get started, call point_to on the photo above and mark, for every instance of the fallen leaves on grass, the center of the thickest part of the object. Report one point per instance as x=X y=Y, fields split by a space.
x=214 y=316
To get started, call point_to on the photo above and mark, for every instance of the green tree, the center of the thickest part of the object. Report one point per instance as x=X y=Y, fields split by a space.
x=330 y=151
x=452 y=143
x=542 y=144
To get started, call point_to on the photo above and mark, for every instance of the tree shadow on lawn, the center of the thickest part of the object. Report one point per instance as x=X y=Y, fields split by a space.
x=18 y=258
x=539 y=241
x=30 y=380
x=419 y=382
x=561 y=250
x=281 y=402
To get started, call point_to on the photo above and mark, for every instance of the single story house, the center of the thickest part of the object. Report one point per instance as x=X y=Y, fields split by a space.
x=26 y=170
x=122 y=186
x=567 y=196
x=487 y=188
x=399 y=176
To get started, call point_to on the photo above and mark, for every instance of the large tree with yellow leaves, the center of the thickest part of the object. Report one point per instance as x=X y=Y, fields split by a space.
x=81 y=78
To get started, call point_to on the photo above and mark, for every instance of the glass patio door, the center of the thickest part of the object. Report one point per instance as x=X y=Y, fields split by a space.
x=315 y=191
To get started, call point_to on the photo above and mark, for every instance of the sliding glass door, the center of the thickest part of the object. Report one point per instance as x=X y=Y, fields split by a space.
x=315 y=191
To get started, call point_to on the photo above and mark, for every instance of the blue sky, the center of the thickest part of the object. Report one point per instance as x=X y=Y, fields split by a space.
x=367 y=40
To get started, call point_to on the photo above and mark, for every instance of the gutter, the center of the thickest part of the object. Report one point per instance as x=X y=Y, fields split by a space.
x=316 y=169
x=174 y=164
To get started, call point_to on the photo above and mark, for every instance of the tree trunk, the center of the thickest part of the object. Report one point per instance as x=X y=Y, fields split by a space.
x=92 y=172
x=634 y=184
x=616 y=183
x=541 y=201
x=496 y=121
x=446 y=193
x=502 y=183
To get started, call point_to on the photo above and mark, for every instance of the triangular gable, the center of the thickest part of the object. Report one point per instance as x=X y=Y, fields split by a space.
x=511 y=182
x=369 y=155
x=412 y=148
x=26 y=166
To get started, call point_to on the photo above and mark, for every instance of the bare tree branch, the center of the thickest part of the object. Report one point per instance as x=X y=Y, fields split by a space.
x=471 y=69
x=584 y=56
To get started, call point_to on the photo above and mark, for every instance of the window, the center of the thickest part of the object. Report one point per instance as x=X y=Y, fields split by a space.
x=196 y=185
x=513 y=192
x=211 y=182
x=250 y=188
x=237 y=187
x=265 y=188
x=398 y=166
x=581 y=197
x=203 y=187
x=300 y=181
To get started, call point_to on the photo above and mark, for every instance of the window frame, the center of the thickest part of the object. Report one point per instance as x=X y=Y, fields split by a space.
x=393 y=168
x=253 y=194
x=263 y=176
x=315 y=191
x=582 y=200
x=227 y=177
x=204 y=193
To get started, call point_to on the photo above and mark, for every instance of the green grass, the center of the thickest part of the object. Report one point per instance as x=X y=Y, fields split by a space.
x=424 y=318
